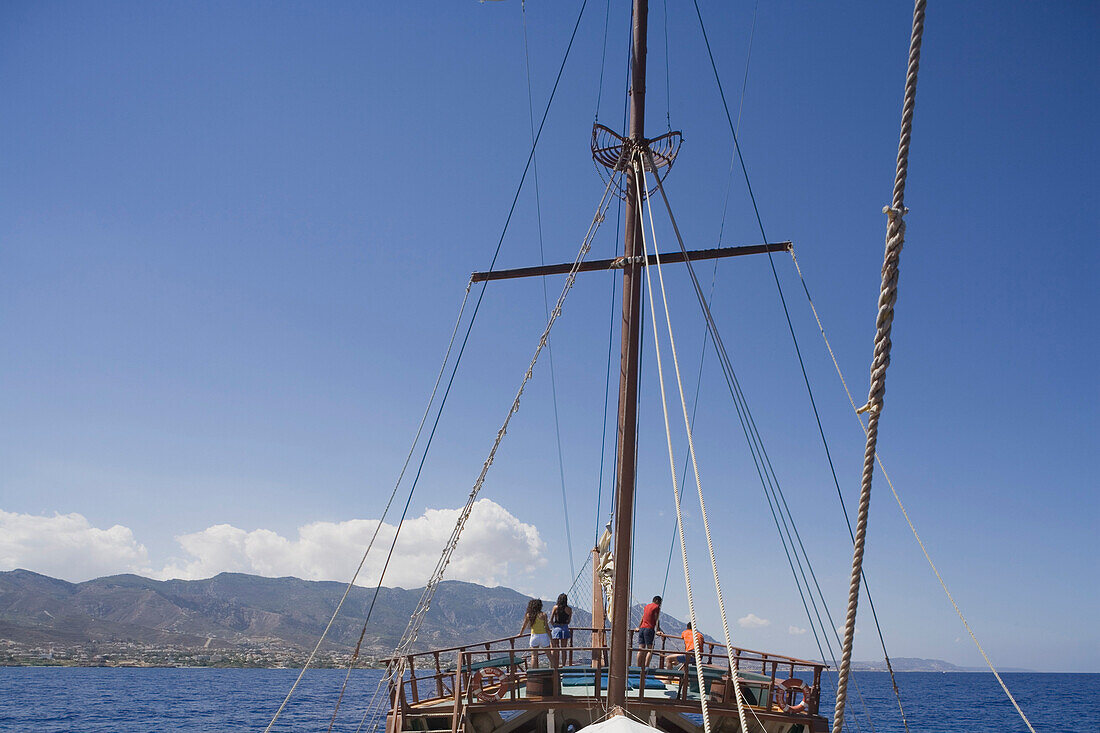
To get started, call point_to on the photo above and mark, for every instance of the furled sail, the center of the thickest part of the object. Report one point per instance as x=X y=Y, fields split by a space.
x=605 y=568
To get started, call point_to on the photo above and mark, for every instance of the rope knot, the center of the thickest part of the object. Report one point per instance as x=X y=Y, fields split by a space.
x=869 y=407
x=895 y=213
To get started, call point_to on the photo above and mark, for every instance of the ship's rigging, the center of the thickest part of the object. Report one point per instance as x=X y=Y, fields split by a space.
x=627 y=159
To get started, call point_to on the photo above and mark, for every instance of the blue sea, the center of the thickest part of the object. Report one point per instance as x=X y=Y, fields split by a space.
x=105 y=700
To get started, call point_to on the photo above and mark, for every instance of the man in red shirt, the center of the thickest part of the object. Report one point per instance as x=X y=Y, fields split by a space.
x=647 y=630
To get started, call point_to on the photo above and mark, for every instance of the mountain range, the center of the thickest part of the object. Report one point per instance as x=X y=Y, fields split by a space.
x=249 y=619
x=234 y=610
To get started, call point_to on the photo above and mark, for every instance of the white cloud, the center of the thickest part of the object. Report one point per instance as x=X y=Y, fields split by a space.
x=495 y=548
x=67 y=546
x=752 y=621
x=795 y=631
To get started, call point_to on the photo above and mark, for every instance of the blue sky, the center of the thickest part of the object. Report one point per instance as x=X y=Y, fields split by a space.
x=235 y=237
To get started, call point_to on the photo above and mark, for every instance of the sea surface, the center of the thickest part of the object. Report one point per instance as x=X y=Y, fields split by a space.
x=106 y=700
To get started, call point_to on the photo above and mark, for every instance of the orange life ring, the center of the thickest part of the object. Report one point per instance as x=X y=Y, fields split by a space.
x=490 y=677
x=787 y=689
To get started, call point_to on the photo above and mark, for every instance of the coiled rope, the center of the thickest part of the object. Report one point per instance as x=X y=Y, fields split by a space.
x=888 y=295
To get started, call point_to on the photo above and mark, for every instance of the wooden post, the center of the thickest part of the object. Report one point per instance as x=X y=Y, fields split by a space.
x=403 y=701
x=456 y=710
x=513 y=668
x=599 y=615
x=599 y=677
x=394 y=723
x=771 y=687
x=412 y=680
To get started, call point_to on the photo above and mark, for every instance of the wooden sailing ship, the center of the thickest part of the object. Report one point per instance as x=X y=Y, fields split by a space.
x=491 y=686
x=488 y=686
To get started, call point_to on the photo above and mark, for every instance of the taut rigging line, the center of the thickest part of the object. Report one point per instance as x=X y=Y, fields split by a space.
x=417 y=618
x=450 y=382
x=769 y=481
x=675 y=487
x=919 y=10
x=546 y=297
x=734 y=667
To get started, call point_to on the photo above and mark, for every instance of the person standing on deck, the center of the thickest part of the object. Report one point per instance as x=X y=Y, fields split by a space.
x=535 y=619
x=561 y=636
x=691 y=639
x=647 y=630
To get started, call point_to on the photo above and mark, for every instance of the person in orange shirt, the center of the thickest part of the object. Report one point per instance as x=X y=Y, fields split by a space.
x=691 y=638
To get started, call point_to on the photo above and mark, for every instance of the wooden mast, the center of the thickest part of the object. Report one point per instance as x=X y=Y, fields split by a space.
x=628 y=378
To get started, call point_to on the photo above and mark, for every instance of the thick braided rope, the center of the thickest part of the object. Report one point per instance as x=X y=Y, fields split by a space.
x=829 y=347
x=734 y=666
x=888 y=295
x=904 y=513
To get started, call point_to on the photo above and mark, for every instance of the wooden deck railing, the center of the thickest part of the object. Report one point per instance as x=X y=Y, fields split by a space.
x=430 y=679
